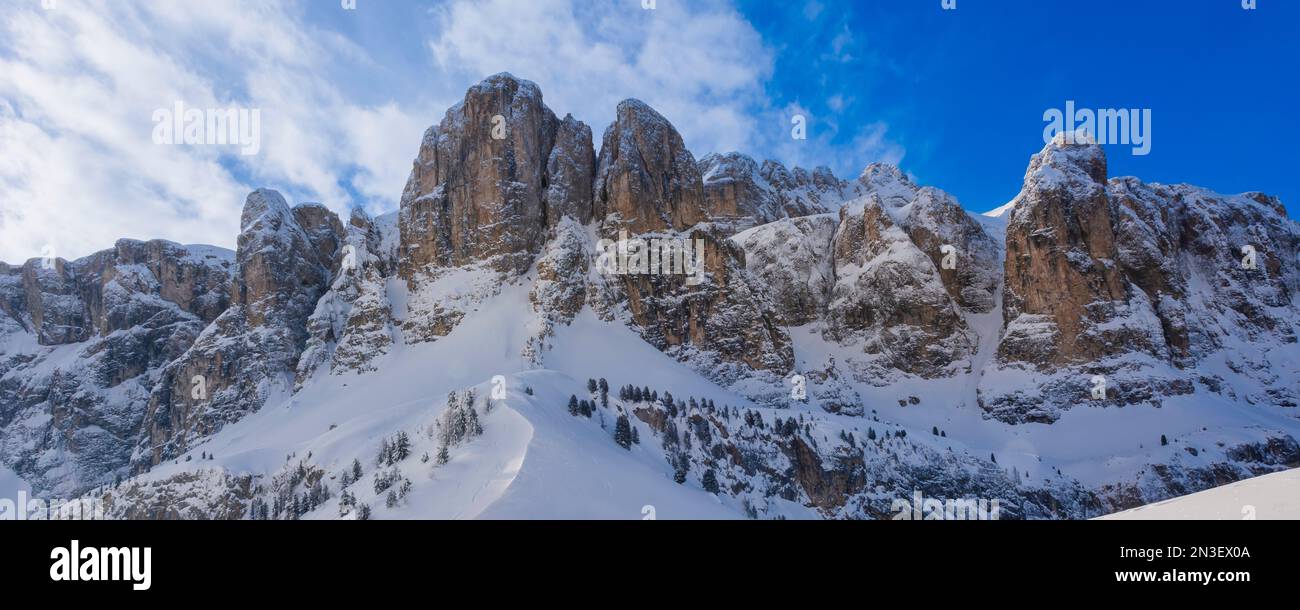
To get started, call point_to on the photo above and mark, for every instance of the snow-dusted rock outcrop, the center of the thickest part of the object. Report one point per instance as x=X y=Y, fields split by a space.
x=571 y=174
x=478 y=187
x=735 y=186
x=894 y=275
x=353 y=324
x=82 y=345
x=1133 y=291
x=249 y=353
x=923 y=337
x=792 y=258
x=648 y=186
x=646 y=180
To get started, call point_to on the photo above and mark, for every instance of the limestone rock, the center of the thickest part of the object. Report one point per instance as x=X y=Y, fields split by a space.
x=283 y=267
x=646 y=179
x=478 y=187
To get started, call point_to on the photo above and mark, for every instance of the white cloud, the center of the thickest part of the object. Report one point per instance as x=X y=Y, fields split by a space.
x=826 y=142
x=702 y=66
x=80 y=84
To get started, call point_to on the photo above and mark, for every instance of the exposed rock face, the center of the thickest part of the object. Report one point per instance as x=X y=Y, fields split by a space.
x=792 y=258
x=194 y=278
x=43 y=296
x=1185 y=474
x=878 y=278
x=126 y=358
x=972 y=274
x=646 y=179
x=478 y=188
x=196 y=496
x=138 y=307
x=571 y=172
x=1168 y=237
x=283 y=267
x=352 y=325
x=727 y=315
x=1061 y=273
x=736 y=186
x=650 y=186
x=560 y=290
x=281 y=250
x=1137 y=284
x=474 y=202
x=889 y=297
x=62 y=302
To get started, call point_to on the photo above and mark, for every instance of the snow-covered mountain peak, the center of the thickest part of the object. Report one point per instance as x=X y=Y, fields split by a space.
x=924 y=339
x=1001 y=211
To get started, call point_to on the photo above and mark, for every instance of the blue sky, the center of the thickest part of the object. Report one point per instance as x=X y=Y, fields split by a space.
x=964 y=90
x=956 y=98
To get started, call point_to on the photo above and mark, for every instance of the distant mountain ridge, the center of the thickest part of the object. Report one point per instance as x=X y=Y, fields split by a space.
x=967 y=344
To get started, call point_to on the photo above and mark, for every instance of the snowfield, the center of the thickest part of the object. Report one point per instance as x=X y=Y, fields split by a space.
x=1270 y=497
x=535 y=461
x=1094 y=345
x=11 y=484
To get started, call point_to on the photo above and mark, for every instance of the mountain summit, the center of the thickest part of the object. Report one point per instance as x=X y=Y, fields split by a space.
x=1101 y=344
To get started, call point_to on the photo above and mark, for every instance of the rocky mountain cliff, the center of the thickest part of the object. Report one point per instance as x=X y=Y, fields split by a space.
x=84 y=344
x=1142 y=285
x=735 y=186
x=893 y=307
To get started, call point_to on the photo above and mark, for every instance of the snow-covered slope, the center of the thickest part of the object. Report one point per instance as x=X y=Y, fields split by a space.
x=447 y=360
x=11 y=484
x=1001 y=210
x=533 y=459
x=1270 y=497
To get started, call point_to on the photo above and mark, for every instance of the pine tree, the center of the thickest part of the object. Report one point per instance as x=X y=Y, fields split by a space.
x=472 y=425
x=591 y=386
x=710 y=481
x=573 y=405
x=935 y=430
x=385 y=453
x=402 y=448
x=623 y=433
x=444 y=455
x=1163 y=441
x=356 y=470
x=363 y=512
x=636 y=438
